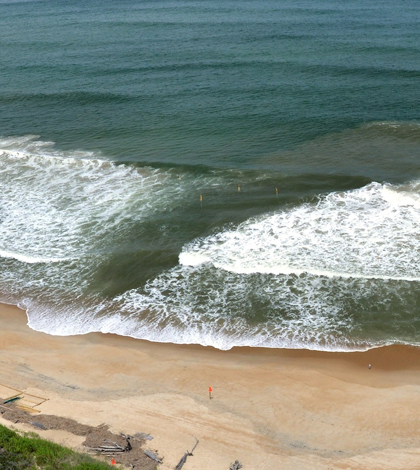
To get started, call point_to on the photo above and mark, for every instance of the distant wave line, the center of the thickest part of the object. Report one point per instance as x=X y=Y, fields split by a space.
x=320 y=273
x=286 y=270
x=30 y=259
x=56 y=158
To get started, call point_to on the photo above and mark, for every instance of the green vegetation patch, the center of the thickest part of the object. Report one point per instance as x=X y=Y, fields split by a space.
x=29 y=452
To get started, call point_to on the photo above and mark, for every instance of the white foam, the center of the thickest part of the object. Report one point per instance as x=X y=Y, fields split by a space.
x=400 y=197
x=57 y=206
x=202 y=305
x=299 y=268
x=368 y=233
x=192 y=259
x=30 y=259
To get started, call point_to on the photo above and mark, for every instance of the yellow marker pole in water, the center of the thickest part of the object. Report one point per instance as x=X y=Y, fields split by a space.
x=201 y=201
x=277 y=194
x=239 y=188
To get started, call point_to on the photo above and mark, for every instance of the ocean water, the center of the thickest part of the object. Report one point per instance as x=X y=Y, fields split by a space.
x=226 y=173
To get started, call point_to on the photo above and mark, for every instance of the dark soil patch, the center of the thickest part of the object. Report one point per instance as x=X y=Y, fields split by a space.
x=96 y=437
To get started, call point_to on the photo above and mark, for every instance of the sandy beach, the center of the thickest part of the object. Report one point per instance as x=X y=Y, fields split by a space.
x=271 y=409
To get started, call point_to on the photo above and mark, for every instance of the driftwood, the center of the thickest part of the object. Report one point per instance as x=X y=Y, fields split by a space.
x=112 y=447
x=107 y=450
x=184 y=457
x=114 y=444
x=152 y=455
x=236 y=465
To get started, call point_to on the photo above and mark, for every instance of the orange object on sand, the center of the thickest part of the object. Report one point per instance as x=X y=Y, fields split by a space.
x=210 y=389
x=113 y=462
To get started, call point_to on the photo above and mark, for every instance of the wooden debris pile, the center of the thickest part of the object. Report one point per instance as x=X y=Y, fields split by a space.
x=111 y=447
x=122 y=449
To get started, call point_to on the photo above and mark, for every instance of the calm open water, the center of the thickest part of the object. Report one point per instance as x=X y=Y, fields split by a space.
x=216 y=172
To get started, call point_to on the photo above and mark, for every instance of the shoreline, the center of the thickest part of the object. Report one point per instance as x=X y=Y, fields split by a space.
x=271 y=408
x=388 y=357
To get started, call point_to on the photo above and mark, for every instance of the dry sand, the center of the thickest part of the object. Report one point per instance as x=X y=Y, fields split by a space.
x=272 y=409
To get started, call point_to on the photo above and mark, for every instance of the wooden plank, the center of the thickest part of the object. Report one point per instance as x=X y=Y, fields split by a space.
x=28 y=408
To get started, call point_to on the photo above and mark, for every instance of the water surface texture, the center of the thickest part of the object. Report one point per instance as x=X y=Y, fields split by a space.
x=227 y=173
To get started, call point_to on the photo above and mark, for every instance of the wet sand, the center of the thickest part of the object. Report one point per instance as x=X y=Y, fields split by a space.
x=271 y=409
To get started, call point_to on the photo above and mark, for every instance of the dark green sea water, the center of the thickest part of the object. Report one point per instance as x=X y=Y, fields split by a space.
x=222 y=173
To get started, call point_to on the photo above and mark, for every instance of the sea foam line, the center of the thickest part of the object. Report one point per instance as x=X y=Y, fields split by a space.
x=189 y=259
x=369 y=233
x=30 y=259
